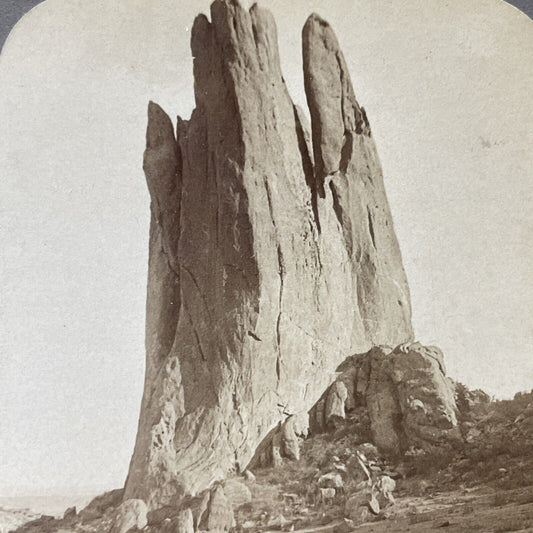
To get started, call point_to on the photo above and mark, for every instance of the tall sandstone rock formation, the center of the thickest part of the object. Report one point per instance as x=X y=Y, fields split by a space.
x=272 y=252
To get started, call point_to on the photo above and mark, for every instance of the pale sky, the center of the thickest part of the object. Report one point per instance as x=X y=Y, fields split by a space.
x=447 y=89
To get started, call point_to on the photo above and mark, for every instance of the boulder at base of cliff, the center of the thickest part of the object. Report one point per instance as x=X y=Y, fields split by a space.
x=182 y=523
x=410 y=400
x=98 y=506
x=130 y=514
x=218 y=515
x=405 y=392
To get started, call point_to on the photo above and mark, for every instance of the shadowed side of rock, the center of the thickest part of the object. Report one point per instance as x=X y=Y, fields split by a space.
x=263 y=277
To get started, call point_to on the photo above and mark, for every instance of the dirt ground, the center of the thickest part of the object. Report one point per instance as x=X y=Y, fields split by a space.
x=482 y=510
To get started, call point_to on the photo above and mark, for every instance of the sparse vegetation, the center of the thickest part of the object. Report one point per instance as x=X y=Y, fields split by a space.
x=484 y=483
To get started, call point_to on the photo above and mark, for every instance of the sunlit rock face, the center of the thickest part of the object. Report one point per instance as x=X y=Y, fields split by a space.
x=408 y=398
x=272 y=252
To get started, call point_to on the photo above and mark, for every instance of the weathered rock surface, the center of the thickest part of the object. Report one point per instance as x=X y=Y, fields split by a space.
x=219 y=513
x=409 y=399
x=266 y=270
x=98 y=506
x=130 y=514
x=335 y=402
x=181 y=523
x=69 y=513
x=236 y=492
x=283 y=442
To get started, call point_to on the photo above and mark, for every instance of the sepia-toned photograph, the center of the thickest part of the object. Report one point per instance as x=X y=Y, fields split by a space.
x=266 y=267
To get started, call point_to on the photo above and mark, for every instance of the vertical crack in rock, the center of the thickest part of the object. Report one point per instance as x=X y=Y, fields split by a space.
x=196 y=336
x=305 y=147
x=371 y=226
x=281 y=272
x=346 y=152
x=263 y=233
x=278 y=320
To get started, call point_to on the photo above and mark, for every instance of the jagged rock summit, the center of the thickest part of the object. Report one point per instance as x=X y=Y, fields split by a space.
x=272 y=252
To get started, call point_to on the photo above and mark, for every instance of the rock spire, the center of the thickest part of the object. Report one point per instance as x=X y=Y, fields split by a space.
x=272 y=252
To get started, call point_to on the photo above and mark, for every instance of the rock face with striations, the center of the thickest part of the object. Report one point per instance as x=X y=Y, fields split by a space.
x=272 y=252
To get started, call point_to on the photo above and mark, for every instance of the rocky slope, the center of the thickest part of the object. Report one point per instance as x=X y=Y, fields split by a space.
x=272 y=252
x=336 y=480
